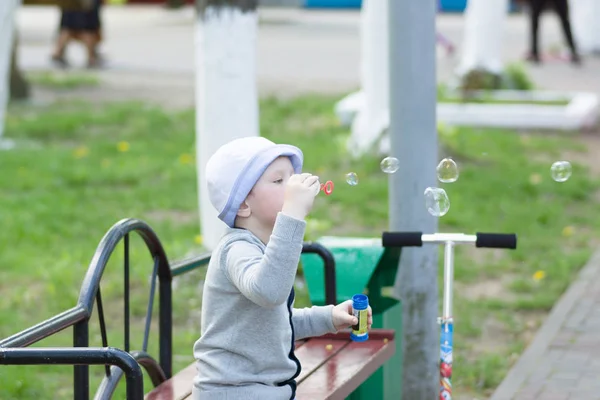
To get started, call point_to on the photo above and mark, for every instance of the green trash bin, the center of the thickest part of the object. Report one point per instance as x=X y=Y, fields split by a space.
x=362 y=265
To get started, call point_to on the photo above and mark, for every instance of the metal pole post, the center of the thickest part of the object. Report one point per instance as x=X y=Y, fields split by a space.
x=413 y=138
x=448 y=280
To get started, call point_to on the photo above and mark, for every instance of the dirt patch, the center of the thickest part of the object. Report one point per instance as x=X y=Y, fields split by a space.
x=165 y=90
x=481 y=258
x=493 y=288
x=177 y=216
x=494 y=338
x=590 y=157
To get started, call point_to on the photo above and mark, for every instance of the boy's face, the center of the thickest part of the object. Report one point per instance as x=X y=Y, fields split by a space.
x=266 y=197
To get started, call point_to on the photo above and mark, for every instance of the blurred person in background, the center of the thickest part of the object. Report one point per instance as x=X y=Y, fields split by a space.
x=562 y=9
x=83 y=26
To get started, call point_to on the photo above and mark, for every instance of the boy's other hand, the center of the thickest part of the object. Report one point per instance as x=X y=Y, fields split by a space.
x=343 y=317
x=300 y=195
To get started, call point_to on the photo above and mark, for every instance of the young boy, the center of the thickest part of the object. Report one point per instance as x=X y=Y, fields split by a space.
x=249 y=325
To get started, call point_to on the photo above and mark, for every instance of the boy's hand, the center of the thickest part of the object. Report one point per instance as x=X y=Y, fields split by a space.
x=343 y=317
x=300 y=195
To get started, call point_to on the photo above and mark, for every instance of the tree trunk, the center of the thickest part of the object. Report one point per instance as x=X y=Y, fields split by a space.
x=372 y=115
x=484 y=32
x=226 y=93
x=585 y=17
x=7 y=29
x=19 y=88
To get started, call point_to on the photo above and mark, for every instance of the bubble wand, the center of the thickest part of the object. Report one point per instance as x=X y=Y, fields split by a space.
x=327 y=187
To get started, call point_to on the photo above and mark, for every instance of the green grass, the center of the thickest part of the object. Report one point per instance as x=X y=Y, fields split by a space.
x=491 y=100
x=79 y=168
x=64 y=80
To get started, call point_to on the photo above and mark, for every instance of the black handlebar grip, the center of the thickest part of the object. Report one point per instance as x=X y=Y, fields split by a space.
x=496 y=240
x=401 y=239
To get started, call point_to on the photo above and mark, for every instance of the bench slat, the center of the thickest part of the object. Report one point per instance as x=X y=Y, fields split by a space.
x=326 y=374
x=346 y=370
x=315 y=353
x=180 y=385
x=177 y=388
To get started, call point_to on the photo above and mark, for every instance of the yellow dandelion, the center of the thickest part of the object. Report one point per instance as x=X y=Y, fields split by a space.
x=123 y=146
x=105 y=163
x=535 y=179
x=539 y=275
x=568 y=231
x=186 y=159
x=81 y=152
x=198 y=239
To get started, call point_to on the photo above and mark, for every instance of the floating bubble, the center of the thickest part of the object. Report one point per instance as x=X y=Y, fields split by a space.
x=352 y=178
x=561 y=171
x=389 y=165
x=436 y=201
x=447 y=171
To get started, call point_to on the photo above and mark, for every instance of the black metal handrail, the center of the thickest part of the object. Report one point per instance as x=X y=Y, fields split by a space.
x=328 y=265
x=45 y=328
x=202 y=260
x=109 y=382
x=189 y=264
x=78 y=316
x=90 y=356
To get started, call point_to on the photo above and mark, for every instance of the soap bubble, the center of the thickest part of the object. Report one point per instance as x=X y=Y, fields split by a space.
x=447 y=171
x=352 y=179
x=561 y=171
x=389 y=165
x=436 y=201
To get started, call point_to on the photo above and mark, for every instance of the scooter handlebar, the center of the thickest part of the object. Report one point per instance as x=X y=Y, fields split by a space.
x=496 y=240
x=416 y=239
x=402 y=239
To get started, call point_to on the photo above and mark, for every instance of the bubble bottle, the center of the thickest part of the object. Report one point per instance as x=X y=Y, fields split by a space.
x=360 y=305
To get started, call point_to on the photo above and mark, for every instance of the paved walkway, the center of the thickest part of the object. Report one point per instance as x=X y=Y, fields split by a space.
x=563 y=360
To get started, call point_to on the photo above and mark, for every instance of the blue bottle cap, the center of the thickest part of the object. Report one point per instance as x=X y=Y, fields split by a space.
x=360 y=302
x=362 y=338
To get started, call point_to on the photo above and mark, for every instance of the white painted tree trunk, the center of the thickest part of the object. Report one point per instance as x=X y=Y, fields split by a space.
x=226 y=94
x=8 y=10
x=367 y=109
x=483 y=35
x=585 y=18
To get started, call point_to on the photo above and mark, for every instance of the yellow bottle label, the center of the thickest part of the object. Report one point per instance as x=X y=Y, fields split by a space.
x=360 y=328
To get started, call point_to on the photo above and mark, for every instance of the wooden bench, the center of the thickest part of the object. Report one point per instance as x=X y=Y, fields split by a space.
x=333 y=366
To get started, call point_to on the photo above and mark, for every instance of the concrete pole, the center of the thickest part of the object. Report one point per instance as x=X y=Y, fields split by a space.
x=226 y=93
x=413 y=138
x=585 y=20
x=8 y=13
